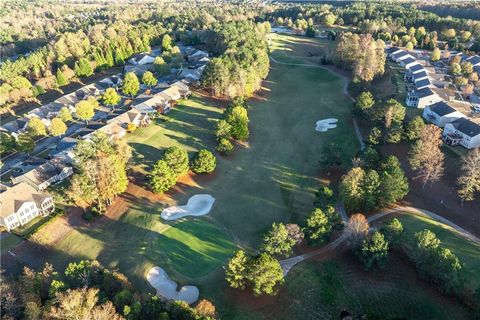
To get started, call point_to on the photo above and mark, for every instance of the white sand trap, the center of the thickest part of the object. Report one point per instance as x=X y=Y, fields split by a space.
x=198 y=205
x=167 y=288
x=325 y=125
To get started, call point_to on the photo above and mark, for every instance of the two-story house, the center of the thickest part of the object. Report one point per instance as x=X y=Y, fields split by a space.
x=422 y=98
x=462 y=132
x=21 y=203
x=440 y=113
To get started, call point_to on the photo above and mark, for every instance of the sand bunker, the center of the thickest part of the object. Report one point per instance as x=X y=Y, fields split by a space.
x=325 y=125
x=167 y=288
x=198 y=205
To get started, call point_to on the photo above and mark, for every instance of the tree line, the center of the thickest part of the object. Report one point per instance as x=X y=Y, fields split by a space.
x=88 y=290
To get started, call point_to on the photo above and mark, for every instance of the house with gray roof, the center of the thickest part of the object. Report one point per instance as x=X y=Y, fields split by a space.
x=441 y=113
x=462 y=132
x=42 y=176
x=422 y=98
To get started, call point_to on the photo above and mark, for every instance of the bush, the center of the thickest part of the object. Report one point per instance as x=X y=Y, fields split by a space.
x=224 y=146
x=204 y=162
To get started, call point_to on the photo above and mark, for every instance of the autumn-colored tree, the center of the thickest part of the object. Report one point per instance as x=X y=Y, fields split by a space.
x=57 y=127
x=84 y=110
x=426 y=157
x=36 y=127
x=357 y=229
x=469 y=181
x=206 y=309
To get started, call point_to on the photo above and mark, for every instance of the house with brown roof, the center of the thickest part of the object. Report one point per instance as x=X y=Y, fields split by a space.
x=21 y=203
x=132 y=116
x=42 y=176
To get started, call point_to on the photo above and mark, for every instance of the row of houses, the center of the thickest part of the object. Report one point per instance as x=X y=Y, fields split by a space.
x=457 y=128
x=51 y=110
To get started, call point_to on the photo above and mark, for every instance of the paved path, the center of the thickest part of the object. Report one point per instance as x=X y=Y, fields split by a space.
x=289 y=263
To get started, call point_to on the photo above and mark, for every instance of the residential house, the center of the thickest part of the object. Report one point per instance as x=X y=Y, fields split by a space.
x=16 y=127
x=132 y=116
x=407 y=62
x=419 y=76
x=113 y=131
x=21 y=203
x=42 y=176
x=400 y=55
x=422 y=98
x=440 y=113
x=141 y=59
x=64 y=149
x=392 y=50
x=422 y=84
x=183 y=89
x=412 y=69
x=462 y=132
x=197 y=56
x=474 y=60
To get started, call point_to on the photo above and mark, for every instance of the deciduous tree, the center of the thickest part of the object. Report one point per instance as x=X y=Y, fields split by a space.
x=426 y=157
x=357 y=229
x=57 y=127
x=36 y=127
x=131 y=85
x=469 y=181
x=149 y=79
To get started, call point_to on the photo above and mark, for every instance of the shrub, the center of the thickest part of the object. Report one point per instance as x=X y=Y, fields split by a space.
x=224 y=146
x=204 y=162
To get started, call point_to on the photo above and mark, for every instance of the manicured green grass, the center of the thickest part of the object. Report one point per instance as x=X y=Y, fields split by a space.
x=140 y=239
x=10 y=241
x=467 y=251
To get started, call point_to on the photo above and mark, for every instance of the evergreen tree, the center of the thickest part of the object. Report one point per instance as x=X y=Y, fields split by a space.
x=177 y=160
x=277 y=242
x=162 y=177
x=83 y=68
x=374 y=251
x=236 y=272
x=265 y=273
x=148 y=79
x=61 y=78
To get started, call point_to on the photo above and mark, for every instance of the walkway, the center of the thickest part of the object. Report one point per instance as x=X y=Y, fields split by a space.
x=289 y=263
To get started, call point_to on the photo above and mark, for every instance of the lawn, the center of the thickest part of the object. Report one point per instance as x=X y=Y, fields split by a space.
x=468 y=252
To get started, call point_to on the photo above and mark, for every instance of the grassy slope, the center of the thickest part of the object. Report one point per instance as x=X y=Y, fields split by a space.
x=468 y=252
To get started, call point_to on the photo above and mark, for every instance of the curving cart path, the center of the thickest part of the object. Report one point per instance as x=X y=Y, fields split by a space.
x=289 y=263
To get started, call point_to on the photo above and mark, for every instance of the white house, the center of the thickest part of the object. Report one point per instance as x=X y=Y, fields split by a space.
x=132 y=116
x=21 y=203
x=463 y=132
x=419 y=76
x=407 y=62
x=423 y=83
x=474 y=60
x=422 y=98
x=441 y=113
x=401 y=55
x=392 y=50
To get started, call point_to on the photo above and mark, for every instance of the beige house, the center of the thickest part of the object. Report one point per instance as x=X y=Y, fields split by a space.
x=132 y=116
x=21 y=203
